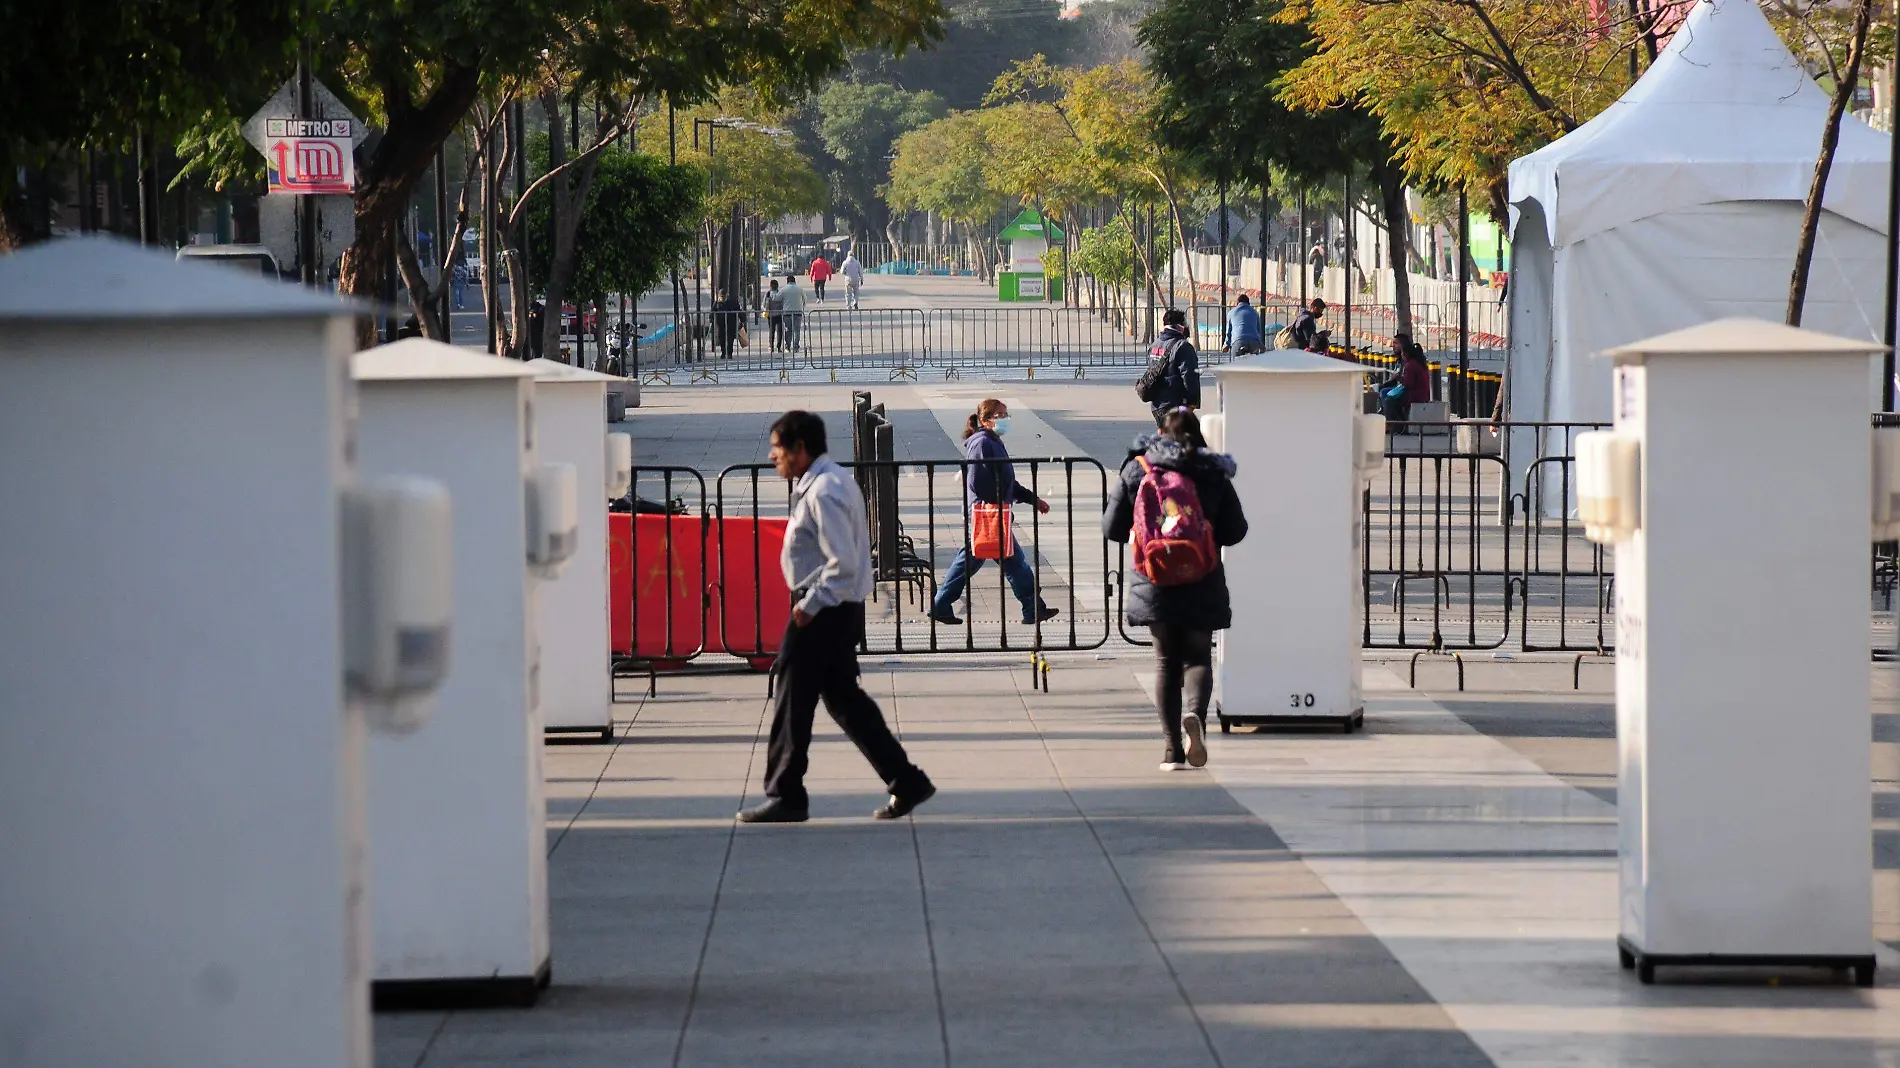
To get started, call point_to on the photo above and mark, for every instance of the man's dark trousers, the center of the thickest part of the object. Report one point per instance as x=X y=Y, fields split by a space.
x=820 y=660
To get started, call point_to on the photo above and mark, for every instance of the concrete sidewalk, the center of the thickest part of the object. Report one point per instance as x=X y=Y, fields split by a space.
x=1447 y=898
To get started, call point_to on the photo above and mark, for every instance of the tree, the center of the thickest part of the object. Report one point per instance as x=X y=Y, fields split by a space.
x=422 y=64
x=637 y=220
x=1108 y=115
x=100 y=73
x=1219 y=66
x=859 y=124
x=982 y=38
x=943 y=167
x=1463 y=87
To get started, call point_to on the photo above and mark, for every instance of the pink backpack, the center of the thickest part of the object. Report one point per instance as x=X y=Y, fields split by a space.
x=1174 y=543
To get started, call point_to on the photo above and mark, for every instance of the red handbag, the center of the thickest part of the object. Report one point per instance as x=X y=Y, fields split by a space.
x=990 y=537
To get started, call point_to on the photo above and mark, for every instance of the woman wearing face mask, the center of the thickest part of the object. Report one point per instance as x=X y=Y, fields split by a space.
x=992 y=483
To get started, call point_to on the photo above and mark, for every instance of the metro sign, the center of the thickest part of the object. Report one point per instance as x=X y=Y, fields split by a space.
x=311 y=156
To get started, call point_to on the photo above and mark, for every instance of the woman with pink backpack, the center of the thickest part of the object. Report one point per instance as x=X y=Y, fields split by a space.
x=1175 y=502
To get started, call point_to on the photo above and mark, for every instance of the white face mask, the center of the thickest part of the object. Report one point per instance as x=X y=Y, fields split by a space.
x=1002 y=426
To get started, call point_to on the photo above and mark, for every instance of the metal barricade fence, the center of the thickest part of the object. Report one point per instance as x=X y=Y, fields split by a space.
x=1070 y=566
x=984 y=339
x=841 y=339
x=1457 y=555
x=657 y=570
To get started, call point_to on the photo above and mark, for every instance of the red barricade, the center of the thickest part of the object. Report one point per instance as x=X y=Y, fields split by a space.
x=674 y=559
x=751 y=617
x=664 y=555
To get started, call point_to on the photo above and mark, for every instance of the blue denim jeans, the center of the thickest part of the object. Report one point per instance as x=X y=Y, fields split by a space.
x=1022 y=581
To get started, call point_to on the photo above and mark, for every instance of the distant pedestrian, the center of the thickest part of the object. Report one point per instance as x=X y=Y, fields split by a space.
x=1175 y=498
x=794 y=304
x=820 y=274
x=775 y=314
x=1317 y=259
x=1412 y=384
x=992 y=484
x=1174 y=359
x=1305 y=332
x=1243 y=334
x=728 y=318
x=853 y=272
x=458 y=284
x=827 y=563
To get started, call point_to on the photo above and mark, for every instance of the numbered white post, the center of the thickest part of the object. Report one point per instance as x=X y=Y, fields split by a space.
x=1292 y=656
x=1735 y=491
x=457 y=816
x=180 y=777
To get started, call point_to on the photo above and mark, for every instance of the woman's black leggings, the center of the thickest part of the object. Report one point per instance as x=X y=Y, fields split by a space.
x=1184 y=659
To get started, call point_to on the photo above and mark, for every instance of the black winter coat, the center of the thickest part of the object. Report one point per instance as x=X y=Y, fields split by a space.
x=1203 y=605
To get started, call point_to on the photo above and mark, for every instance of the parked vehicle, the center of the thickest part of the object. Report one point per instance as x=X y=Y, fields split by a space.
x=252 y=259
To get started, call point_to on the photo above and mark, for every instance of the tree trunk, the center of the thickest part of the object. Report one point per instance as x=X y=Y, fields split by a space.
x=422 y=300
x=1830 y=138
x=407 y=149
x=1392 y=199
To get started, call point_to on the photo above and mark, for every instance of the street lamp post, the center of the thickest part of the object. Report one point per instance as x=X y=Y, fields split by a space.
x=736 y=251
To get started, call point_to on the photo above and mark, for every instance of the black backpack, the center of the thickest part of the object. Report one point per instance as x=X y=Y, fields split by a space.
x=1160 y=364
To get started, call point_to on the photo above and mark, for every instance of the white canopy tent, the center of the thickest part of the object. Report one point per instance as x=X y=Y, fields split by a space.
x=1681 y=204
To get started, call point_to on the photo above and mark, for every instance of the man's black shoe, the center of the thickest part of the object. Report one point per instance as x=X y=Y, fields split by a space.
x=774 y=811
x=948 y=619
x=1044 y=616
x=899 y=807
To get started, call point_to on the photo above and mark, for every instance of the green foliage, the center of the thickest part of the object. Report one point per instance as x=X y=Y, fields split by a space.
x=637 y=221
x=769 y=175
x=1219 y=65
x=982 y=38
x=97 y=73
x=1462 y=87
x=941 y=168
x=78 y=72
x=1107 y=252
x=859 y=124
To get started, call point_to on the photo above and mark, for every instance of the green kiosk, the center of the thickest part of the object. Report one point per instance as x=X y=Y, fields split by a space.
x=1022 y=275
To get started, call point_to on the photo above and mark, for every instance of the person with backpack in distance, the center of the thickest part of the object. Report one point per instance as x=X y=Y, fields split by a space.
x=1175 y=499
x=1304 y=332
x=991 y=486
x=1173 y=377
x=1244 y=334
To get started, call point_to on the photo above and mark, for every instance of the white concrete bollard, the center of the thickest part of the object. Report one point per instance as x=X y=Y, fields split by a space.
x=570 y=426
x=1742 y=639
x=1292 y=656
x=180 y=776
x=457 y=810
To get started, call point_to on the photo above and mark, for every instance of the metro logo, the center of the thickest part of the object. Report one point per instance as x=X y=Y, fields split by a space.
x=312 y=165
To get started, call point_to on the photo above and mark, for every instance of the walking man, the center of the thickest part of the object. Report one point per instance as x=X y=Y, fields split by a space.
x=820 y=274
x=793 y=304
x=853 y=272
x=827 y=564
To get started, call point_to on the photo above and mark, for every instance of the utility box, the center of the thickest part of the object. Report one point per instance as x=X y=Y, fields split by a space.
x=1291 y=421
x=180 y=773
x=1735 y=490
x=576 y=667
x=457 y=810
